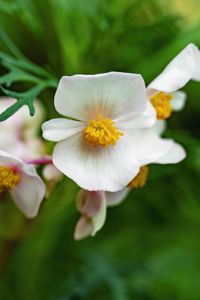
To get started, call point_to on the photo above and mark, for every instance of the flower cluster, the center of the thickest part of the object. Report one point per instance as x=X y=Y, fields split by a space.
x=111 y=130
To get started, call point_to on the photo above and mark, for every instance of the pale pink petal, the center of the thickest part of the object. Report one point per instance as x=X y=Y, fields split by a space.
x=29 y=193
x=83 y=228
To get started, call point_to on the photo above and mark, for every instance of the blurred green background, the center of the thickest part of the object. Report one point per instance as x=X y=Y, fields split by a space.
x=149 y=248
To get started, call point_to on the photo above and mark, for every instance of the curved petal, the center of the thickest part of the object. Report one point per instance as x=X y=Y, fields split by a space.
x=196 y=75
x=29 y=193
x=178 y=101
x=149 y=147
x=116 y=198
x=59 y=129
x=99 y=218
x=175 y=154
x=83 y=228
x=179 y=71
x=146 y=119
x=159 y=127
x=7 y=159
x=103 y=169
x=112 y=95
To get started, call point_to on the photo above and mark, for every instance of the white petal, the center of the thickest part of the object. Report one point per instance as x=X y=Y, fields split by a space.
x=159 y=127
x=83 y=229
x=99 y=218
x=146 y=119
x=116 y=198
x=112 y=95
x=60 y=129
x=178 y=101
x=29 y=193
x=97 y=168
x=184 y=67
x=7 y=159
x=175 y=154
x=149 y=147
x=196 y=75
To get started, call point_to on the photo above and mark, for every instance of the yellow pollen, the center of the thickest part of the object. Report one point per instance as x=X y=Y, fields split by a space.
x=140 y=180
x=9 y=178
x=101 y=132
x=162 y=105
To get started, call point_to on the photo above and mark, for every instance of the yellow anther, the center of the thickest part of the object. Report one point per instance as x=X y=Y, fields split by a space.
x=162 y=105
x=9 y=178
x=101 y=132
x=140 y=180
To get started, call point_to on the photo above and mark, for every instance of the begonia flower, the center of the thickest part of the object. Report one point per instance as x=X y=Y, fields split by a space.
x=22 y=182
x=94 y=147
x=164 y=92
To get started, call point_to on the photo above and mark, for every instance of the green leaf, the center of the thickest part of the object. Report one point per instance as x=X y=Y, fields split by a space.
x=25 y=98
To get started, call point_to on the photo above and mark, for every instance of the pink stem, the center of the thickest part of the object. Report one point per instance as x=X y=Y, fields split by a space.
x=40 y=161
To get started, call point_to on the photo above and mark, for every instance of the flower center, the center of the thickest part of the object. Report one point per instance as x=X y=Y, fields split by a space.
x=162 y=105
x=9 y=178
x=140 y=180
x=101 y=132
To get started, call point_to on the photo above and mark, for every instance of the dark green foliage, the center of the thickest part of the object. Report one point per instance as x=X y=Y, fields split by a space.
x=149 y=248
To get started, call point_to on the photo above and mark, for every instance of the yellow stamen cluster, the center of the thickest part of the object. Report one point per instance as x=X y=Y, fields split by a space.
x=9 y=178
x=101 y=132
x=162 y=105
x=140 y=180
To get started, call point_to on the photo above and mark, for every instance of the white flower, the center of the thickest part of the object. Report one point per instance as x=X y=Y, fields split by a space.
x=164 y=89
x=22 y=182
x=95 y=149
x=150 y=149
x=18 y=134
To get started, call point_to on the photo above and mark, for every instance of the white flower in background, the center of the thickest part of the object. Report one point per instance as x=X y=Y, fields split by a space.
x=19 y=136
x=19 y=133
x=92 y=206
x=22 y=182
x=150 y=149
x=95 y=149
x=164 y=92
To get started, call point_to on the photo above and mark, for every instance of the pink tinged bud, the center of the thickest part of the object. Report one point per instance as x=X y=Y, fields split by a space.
x=89 y=203
x=51 y=173
x=83 y=228
x=92 y=206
